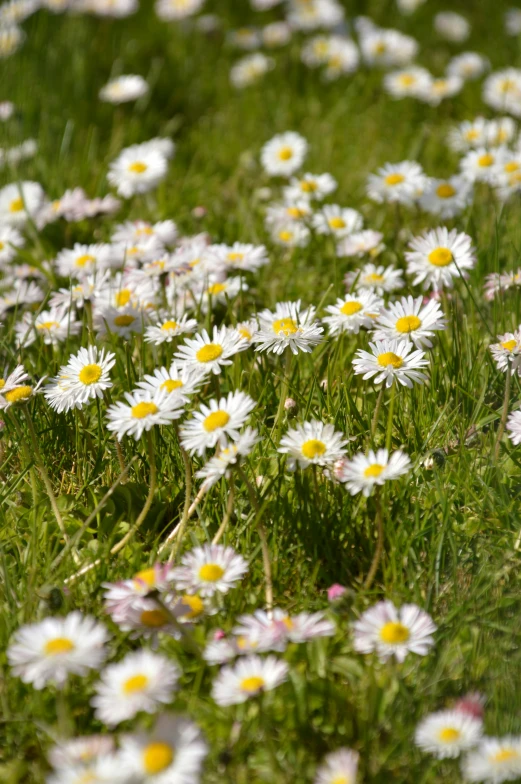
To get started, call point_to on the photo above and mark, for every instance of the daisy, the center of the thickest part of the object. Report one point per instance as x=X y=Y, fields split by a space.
x=381 y=280
x=11 y=39
x=147 y=618
x=513 y=21
x=10 y=241
x=13 y=380
x=342 y=57
x=240 y=256
x=209 y=569
x=248 y=677
x=19 y=202
x=142 y=411
x=452 y=26
x=132 y=232
x=216 y=423
x=360 y=244
x=220 y=464
x=274 y=630
x=310 y=186
x=409 y=318
x=391 y=360
x=56 y=648
x=448 y=733
x=507 y=352
x=220 y=292
x=173 y=752
x=468 y=65
x=124 y=89
x=17 y=393
x=390 y=631
x=502 y=91
x=514 y=427
x=172 y=10
x=317 y=13
x=284 y=154
x=211 y=354
x=137 y=169
x=79 y=751
x=397 y=182
x=480 y=165
x=110 y=320
x=142 y=681
x=338 y=767
x=338 y=221
x=250 y=69
x=407 y=82
x=119 y=596
x=276 y=34
x=103 y=769
x=287 y=327
x=447 y=198
x=222 y=650
x=495 y=760
x=84 y=260
x=438 y=256
x=312 y=443
x=362 y=472
x=290 y=235
x=54 y=326
x=387 y=48
x=83 y=378
x=282 y=214
x=352 y=312
x=169 y=327
x=500 y=131
x=468 y=135
x=178 y=381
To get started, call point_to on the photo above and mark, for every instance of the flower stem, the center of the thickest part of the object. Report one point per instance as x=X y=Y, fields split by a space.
x=389 y=434
x=187 y=508
x=227 y=515
x=266 y=562
x=376 y=415
x=504 y=413
x=283 y=395
x=379 y=542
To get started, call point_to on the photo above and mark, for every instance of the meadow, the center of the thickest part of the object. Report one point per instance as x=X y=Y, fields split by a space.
x=198 y=526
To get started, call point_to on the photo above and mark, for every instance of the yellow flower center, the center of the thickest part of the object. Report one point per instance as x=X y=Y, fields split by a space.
x=59 y=645
x=18 y=395
x=408 y=323
x=373 y=471
x=449 y=735
x=337 y=223
x=390 y=358
x=374 y=278
x=138 y=167
x=147 y=576
x=90 y=374
x=394 y=633
x=506 y=85
x=216 y=420
x=209 y=353
x=509 y=345
x=153 y=619
x=341 y=780
x=445 y=191
x=145 y=230
x=211 y=572
x=285 y=153
x=2 y=245
x=440 y=257
x=235 y=256
x=171 y=384
x=253 y=684
x=169 y=325
x=295 y=212
x=196 y=605
x=156 y=757
x=308 y=186
x=512 y=166
x=81 y=261
x=47 y=325
x=394 y=179
x=285 y=236
x=135 y=683
x=16 y=205
x=244 y=332
x=407 y=79
x=285 y=326
x=471 y=135
x=350 y=308
x=380 y=48
x=124 y=321
x=313 y=448
x=142 y=410
x=123 y=298
x=485 y=160
x=216 y=288
x=504 y=755
x=2 y=383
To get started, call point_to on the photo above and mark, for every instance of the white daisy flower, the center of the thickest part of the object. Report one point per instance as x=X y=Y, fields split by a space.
x=137 y=169
x=436 y=90
x=452 y=26
x=468 y=65
x=222 y=650
x=407 y=82
x=352 y=312
x=119 y=596
x=390 y=631
x=124 y=89
x=468 y=135
x=142 y=681
x=132 y=232
x=274 y=630
x=480 y=165
x=118 y=321
x=339 y=766
x=209 y=569
x=83 y=260
x=312 y=443
x=284 y=154
x=172 y=10
x=56 y=648
x=176 y=380
x=80 y=751
x=514 y=427
x=216 y=423
x=282 y=214
x=397 y=182
x=87 y=289
x=211 y=354
x=362 y=472
x=83 y=378
x=495 y=760
x=387 y=48
x=173 y=752
x=219 y=292
x=276 y=34
x=14 y=392
x=502 y=91
x=391 y=360
x=248 y=677
x=250 y=69
x=409 y=318
x=447 y=198
x=361 y=243
x=513 y=21
x=448 y=733
x=338 y=221
x=287 y=327
x=290 y=235
x=507 y=352
x=19 y=202
x=54 y=326
x=13 y=380
x=10 y=241
x=240 y=256
x=381 y=280
x=438 y=256
x=220 y=464
x=102 y=769
x=142 y=411
x=310 y=186
x=169 y=327
x=11 y=39
x=315 y=14
x=342 y=57
x=22 y=293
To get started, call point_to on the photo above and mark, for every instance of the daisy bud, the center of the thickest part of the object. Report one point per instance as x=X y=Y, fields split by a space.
x=199 y=212
x=473 y=704
x=290 y=405
x=338 y=468
x=335 y=591
x=219 y=634
x=259 y=480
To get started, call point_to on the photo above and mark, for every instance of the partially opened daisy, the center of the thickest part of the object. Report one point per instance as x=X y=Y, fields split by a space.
x=173 y=752
x=123 y=594
x=288 y=326
x=507 y=352
x=240 y=256
x=337 y=221
x=312 y=443
x=142 y=410
x=16 y=391
x=310 y=186
x=388 y=631
x=361 y=243
x=176 y=380
x=447 y=198
x=142 y=681
x=137 y=169
x=438 y=256
x=391 y=360
x=223 y=461
x=124 y=89
x=83 y=378
x=168 y=327
x=397 y=182
x=209 y=569
x=353 y=312
x=338 y=767
x=19 y=202
x=274 y=630
x=448 y=733
x=247 y=678
x=381 y=280
x=480 y=165
x=362 y=472
x=55 y=648
x=284 y=154
x=213 y=353
x=409 y=318
x=494 y=760
x=216 y=423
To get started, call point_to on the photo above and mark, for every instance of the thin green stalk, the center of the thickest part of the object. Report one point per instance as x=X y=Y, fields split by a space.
x=379 y=542
x=266 y=561
x=376 y=415
x=504 y=413
x=227 y=514
x=389 y=434
x=283 y=395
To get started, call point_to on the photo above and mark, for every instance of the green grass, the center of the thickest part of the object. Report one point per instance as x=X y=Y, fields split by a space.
x=451 y=530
